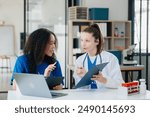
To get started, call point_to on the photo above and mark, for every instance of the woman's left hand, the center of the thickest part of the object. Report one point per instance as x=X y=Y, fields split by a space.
x=58 y=87
x=100 y=78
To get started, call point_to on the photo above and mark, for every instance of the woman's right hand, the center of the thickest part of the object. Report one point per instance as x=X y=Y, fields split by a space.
x=48 y=70
x=80 y=71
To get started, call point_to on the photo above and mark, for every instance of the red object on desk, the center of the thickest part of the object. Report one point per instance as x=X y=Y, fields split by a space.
x=133 y=87
x=129 y=84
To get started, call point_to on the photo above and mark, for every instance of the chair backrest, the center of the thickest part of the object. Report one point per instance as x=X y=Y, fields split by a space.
x=118 y=54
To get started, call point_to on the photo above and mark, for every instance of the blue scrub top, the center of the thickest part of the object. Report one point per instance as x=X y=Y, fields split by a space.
x=21 y=66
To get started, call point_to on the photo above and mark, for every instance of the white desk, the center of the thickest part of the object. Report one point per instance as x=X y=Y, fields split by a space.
x=81 y=94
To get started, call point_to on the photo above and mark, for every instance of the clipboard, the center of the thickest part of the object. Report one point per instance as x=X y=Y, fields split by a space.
x=86 y=80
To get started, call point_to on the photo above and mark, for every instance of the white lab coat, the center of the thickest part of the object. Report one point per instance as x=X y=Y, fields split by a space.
x=111 y=71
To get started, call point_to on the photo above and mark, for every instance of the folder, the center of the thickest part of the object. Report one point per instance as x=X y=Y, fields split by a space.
x=86 y=80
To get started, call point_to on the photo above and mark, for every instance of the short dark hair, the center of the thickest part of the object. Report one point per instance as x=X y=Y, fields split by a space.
x=95 y=30
x=36 y=45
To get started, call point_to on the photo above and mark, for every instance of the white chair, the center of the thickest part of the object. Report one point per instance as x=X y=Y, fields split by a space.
x=5 y=63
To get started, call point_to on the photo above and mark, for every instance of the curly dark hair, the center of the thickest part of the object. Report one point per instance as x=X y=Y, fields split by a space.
x=35 y=48
x=95 y=30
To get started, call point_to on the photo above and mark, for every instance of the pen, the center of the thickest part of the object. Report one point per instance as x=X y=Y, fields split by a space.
x=55 y=63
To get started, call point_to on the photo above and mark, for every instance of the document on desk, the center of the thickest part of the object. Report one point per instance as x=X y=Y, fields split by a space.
x=86 y=80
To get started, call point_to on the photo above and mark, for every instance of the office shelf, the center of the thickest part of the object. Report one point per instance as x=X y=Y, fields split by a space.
x=112 y=42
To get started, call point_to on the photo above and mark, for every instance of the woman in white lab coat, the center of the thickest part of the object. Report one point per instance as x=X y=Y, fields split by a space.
x=92 y=43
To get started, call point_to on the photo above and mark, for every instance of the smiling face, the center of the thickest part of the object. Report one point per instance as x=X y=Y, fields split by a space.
x=50 y=47
x=88 y=43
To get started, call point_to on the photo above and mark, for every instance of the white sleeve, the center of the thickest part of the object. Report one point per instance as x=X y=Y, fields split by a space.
x=113 y=74
x=77 y=78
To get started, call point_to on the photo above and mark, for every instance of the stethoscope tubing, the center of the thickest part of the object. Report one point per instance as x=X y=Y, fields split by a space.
x=87 y=55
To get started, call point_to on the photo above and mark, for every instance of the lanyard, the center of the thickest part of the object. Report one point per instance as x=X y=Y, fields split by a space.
x=90 y=64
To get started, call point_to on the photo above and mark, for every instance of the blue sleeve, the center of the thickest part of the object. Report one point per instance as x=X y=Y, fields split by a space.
x=20 y=67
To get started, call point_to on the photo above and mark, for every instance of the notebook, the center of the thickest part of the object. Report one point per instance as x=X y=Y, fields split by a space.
x=86 y=80
x=54 y=81
x=34 y=85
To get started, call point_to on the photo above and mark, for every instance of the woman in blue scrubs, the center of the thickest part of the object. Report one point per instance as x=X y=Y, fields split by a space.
x=39 y=56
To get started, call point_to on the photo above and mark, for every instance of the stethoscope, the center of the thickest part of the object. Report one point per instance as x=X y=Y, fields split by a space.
x=87 y=55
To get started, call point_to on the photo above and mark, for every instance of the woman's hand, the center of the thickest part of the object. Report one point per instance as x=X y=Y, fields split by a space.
x=80 y=71
x=48 y=70
x=58 y=87
x=100 y=78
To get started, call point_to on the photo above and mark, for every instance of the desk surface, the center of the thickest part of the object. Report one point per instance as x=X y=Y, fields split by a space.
x=82 y=94
x=132 y=68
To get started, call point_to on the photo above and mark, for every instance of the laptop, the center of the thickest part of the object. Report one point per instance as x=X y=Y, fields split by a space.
x=34 y=85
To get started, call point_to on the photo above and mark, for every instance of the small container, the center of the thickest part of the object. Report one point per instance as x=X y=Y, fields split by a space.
x=116 y=32
x=132 y=87
x=2 y=22
x=142 y=86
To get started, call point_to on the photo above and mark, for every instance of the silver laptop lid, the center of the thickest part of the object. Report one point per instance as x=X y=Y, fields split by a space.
x=32 y=85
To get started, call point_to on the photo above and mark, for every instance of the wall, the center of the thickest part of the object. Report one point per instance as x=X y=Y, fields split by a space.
x=11 y=11
x=53 y=10
x=118 y=9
